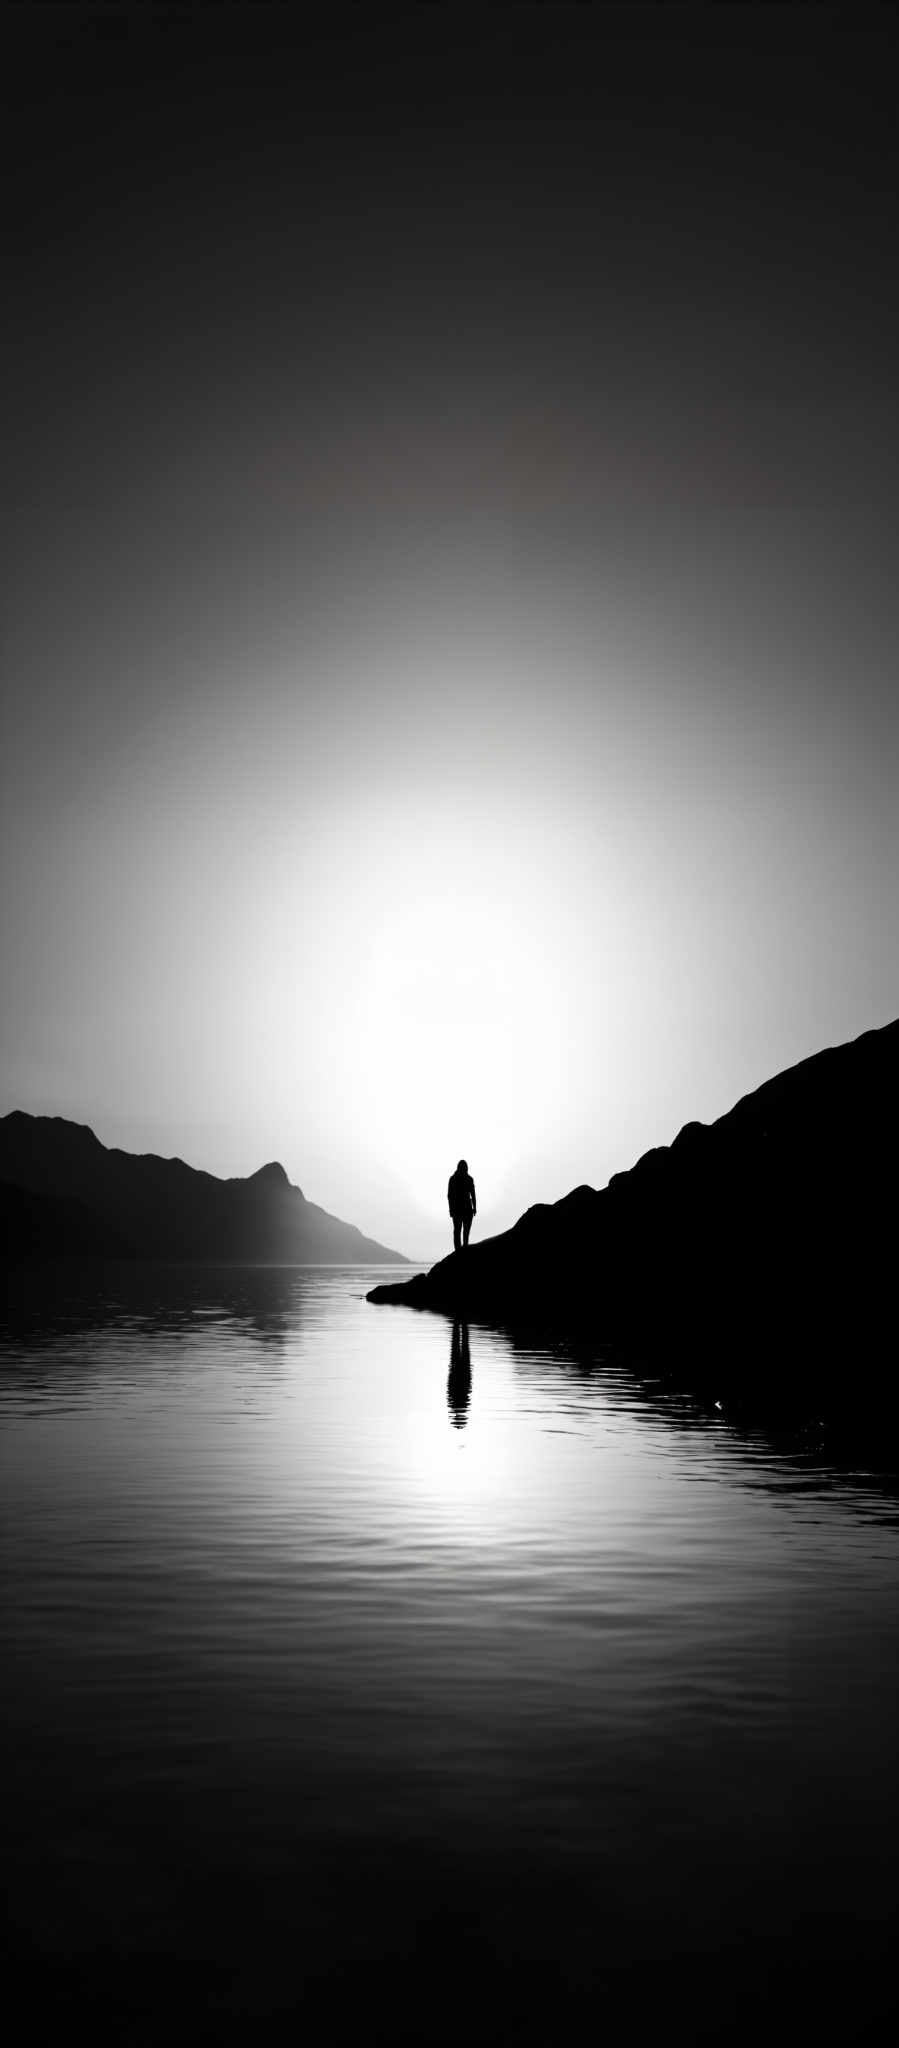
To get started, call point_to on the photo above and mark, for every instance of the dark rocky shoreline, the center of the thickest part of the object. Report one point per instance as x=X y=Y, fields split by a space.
x=762 y=1245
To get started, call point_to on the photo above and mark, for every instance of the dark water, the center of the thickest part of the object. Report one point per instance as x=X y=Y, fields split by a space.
x=359 y=1684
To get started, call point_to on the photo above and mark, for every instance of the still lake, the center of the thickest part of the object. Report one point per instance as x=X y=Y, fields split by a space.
x=394 y=1682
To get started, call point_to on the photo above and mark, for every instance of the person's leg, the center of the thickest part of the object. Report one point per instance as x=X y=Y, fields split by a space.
x=457 y=1228
x=466 y=1226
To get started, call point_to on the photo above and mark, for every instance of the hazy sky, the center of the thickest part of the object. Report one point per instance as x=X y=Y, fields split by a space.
x=450 y=502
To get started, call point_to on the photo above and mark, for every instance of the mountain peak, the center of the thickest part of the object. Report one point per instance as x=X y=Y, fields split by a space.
x=273 y=1175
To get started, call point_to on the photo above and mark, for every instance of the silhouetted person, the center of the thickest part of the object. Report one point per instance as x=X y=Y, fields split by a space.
x=458 y=1386
x=463 y=1203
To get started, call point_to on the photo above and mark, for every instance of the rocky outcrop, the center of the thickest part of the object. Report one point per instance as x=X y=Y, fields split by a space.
x=778 y=1218
x=66 y=1194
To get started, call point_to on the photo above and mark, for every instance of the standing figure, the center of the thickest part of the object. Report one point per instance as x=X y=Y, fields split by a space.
x=463 y=1203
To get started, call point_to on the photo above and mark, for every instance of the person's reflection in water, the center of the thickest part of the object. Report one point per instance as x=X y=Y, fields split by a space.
x=458 y=1386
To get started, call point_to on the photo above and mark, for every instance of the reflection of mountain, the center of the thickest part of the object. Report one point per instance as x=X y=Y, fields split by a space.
x=43 y=1305
x=64 y=1192
x=767 y=1235
x=777 y=1445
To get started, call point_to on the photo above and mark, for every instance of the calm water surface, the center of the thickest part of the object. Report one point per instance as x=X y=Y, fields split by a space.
x=406 y=1683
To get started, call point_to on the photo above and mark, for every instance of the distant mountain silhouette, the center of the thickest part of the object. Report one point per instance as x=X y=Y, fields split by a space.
x=63 y=1193
x=53 y=1227
x=777 y=1222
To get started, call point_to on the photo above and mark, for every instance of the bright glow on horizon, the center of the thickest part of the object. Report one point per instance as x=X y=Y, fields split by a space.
x=541 y=922
x=458 y=1017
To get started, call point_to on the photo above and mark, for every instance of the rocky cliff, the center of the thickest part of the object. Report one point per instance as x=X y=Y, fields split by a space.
x=778 y=1219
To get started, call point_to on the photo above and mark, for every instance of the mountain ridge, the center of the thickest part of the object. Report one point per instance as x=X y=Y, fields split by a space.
x=62 y=1189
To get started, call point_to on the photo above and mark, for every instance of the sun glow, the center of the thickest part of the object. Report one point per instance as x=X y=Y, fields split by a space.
x=456 y=1001
x=458 y=1474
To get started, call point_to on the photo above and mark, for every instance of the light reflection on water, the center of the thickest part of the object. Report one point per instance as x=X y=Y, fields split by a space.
x=335 y=1633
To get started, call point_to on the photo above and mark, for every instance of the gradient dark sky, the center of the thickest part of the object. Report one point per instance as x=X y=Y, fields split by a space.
x=450 y=492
